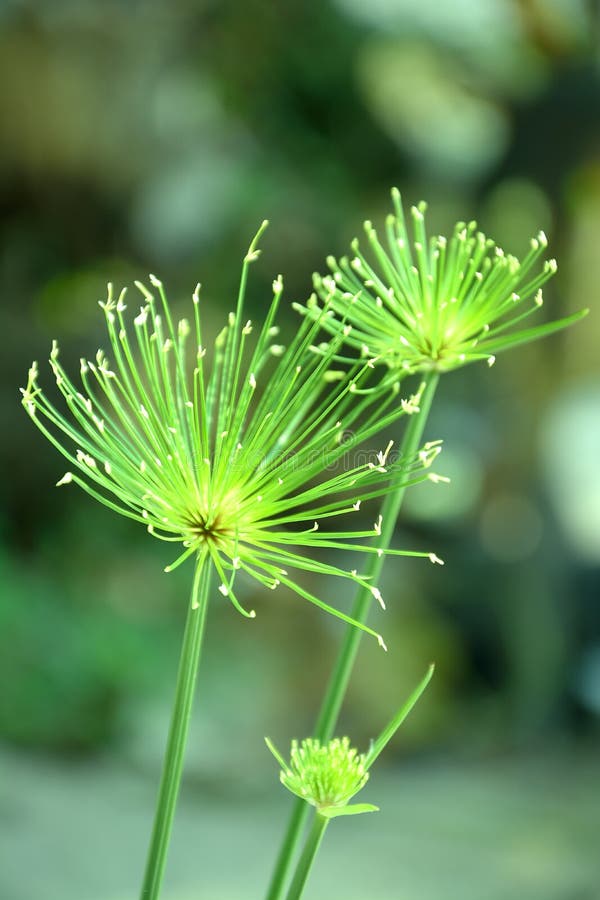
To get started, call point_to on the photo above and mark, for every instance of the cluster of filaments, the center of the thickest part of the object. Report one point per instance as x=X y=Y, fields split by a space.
x=429 y=302
x=325 y=775
x=202 y=462
x=143 y=434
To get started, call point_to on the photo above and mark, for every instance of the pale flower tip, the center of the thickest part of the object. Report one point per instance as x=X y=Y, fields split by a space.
x=436 y=560
x=491 y=360
x=539 y=300
x=196 y=294
x=252 y=614
x=156 y=282
x=377 y=595
x=438 y=479
x=66 y=479
x=252 y=255
x=381 y=643
x=224 y=589
x=143 y=290
x=278 y=284
x=121 y=307
x=252 y=380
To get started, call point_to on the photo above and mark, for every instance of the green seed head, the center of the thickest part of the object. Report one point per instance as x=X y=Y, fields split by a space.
x=417 y=302
x=325 y=775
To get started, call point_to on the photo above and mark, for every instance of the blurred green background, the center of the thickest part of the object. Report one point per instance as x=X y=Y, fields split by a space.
x=155 y=136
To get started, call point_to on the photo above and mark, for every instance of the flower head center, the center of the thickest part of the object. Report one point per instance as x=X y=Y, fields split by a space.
x=212 y=528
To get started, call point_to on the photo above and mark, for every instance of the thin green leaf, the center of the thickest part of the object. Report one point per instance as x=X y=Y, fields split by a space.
x=276 y=753
x=388 y=733
x=530 y=334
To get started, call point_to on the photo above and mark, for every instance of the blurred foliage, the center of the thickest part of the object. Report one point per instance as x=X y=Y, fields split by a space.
x=156 y=136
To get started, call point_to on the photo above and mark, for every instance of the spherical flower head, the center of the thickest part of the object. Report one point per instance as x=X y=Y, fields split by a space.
x=239 y=461
x=326 y=775
x=422 y=303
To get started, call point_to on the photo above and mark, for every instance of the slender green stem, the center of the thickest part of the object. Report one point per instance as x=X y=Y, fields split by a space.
x=306 y=860
x=178 y=731
x=338 y=683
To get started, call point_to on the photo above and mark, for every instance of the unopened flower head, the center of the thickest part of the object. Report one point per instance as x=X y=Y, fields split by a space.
x=240 y=462
x=325 y=775
x=419 y=303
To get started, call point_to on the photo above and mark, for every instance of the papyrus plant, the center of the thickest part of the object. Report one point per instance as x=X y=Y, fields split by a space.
x=240 y=464
x=422 y=305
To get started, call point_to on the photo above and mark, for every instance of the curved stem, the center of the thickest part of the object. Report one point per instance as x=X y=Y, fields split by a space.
x=306 y=860
x=178 y=732
x=338 y=682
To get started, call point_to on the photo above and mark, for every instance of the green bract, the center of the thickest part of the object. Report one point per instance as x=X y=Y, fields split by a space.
x=240 y=464
x=432 y=303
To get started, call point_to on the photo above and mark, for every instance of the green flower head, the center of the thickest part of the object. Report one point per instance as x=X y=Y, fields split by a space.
x=425 y=303
x=239 y=462
x=326 y=775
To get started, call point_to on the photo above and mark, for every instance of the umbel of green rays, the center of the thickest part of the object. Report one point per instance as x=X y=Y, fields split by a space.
x=421 y=302
x=425 y=305
x=240 y=464
x=327 y=775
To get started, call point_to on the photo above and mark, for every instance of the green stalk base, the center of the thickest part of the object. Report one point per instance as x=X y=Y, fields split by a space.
x=307 y=858
x=178 y=732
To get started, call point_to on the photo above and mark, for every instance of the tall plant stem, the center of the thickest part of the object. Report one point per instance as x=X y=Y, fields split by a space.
x=338 y=683
x=305 y=862
x=178 y=732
